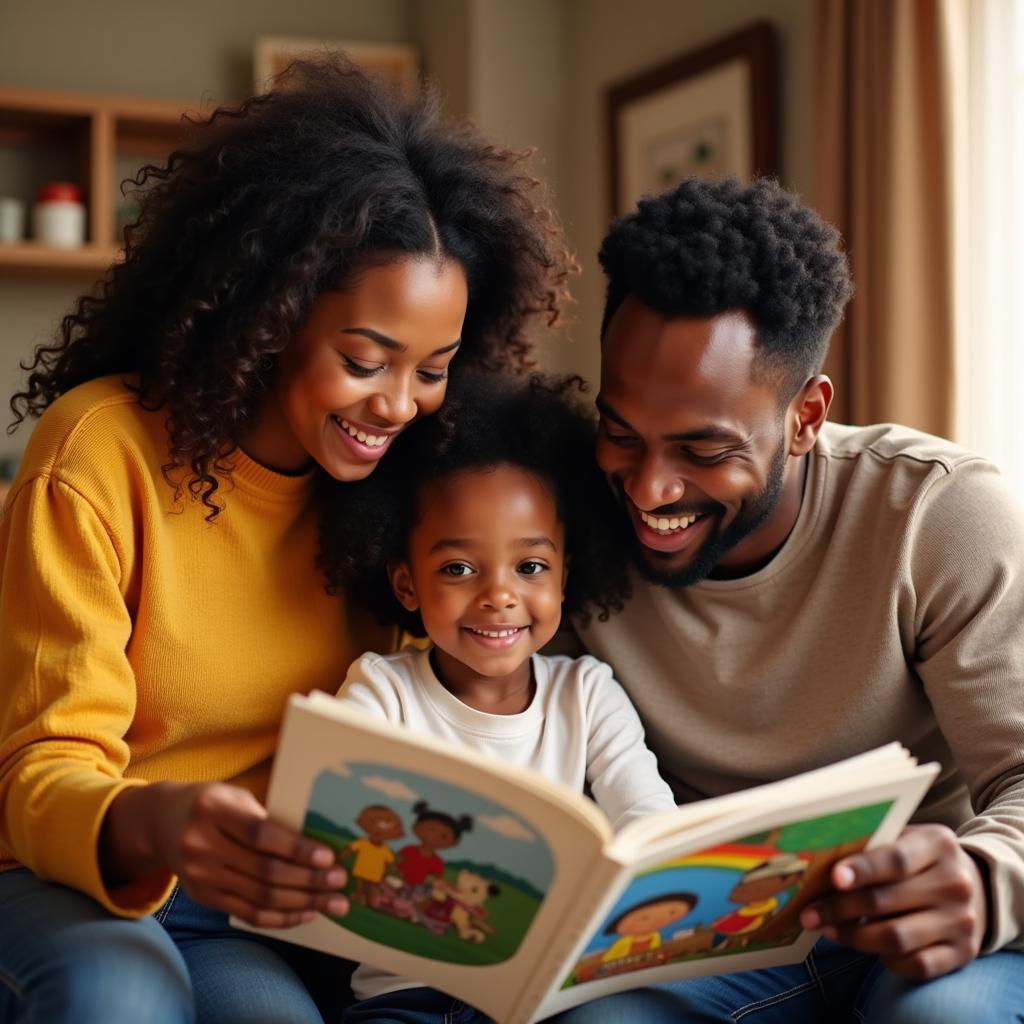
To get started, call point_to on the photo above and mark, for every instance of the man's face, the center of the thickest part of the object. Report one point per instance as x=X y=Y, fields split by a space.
x=692 y=443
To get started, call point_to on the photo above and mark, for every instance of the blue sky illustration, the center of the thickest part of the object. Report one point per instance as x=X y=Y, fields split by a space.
x=711 y=884
x=499 y=836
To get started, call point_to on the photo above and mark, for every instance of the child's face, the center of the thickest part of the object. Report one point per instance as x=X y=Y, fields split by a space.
x=652 y=917
x=486 y=570
x=435 y=834
x=380 y=823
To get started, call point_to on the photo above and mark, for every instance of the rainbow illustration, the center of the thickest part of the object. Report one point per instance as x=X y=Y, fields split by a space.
x=737 y=856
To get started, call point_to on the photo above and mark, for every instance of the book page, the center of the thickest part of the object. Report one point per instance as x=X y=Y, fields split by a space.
x=468 y=904
x=726 y=895
x=880 y=764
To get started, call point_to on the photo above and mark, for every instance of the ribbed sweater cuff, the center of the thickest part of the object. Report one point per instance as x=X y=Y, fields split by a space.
x=1004 y=927
x=78 y=815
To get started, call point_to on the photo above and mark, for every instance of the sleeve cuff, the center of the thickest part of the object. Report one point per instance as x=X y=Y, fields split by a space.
x=80 y=815
x=1005 y=880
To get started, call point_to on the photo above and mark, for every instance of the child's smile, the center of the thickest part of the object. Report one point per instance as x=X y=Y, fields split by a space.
x=486 y=570
x=497 y=637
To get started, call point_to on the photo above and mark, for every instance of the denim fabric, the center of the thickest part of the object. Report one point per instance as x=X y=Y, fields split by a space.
x=63 y=958
x=832 y=986
x=413 y=1006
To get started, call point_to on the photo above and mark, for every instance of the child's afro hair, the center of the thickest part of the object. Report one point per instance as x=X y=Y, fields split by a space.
x=538 y=423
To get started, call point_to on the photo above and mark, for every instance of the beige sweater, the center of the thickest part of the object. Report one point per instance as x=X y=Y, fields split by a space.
x=894 y=611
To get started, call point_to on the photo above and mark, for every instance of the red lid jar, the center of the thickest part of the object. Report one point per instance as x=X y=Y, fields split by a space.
x=59 y=192
x=58 y=216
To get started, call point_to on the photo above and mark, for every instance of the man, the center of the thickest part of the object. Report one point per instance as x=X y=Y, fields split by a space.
x=805 y=592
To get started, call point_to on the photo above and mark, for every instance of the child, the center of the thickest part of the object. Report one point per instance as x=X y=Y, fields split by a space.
x=436 y=831
x=467 y=534
x=373 y=855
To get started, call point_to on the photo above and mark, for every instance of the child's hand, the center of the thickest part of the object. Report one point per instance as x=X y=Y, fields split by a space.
x=227 y=853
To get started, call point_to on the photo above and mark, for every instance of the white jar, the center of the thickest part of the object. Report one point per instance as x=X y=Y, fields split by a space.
x=58 y=217
x=12 y=219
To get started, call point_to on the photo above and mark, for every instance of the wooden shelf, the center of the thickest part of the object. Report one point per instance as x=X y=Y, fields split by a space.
x=31 y=257
x=99 y=134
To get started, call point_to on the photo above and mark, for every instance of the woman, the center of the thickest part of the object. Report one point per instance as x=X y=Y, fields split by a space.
x=304 y=274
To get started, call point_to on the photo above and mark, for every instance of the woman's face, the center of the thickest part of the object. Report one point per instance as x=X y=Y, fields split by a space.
x=365 y=364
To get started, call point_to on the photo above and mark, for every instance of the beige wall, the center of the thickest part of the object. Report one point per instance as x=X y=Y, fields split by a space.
x=610 y=40
x=530 y=72
x=197 y=51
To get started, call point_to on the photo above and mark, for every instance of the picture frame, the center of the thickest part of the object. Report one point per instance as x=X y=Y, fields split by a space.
x=397 y=62
x=708 y=112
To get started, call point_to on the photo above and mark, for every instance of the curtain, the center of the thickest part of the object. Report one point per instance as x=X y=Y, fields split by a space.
x=989 y=228
x=883 y=177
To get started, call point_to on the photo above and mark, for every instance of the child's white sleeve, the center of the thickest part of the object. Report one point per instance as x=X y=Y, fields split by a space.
x=370 y=686
x=621 y=770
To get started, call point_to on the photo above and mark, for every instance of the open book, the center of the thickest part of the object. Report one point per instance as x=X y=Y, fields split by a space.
x=539 y=906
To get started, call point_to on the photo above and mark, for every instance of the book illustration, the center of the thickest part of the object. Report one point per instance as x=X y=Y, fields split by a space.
x=729 y=898
x=434 y=869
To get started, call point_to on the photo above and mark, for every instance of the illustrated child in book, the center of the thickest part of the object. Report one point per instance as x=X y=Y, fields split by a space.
x=373 y=855
x=639 y=928
x=436 y=831
x=487 y=527
x=758 y=891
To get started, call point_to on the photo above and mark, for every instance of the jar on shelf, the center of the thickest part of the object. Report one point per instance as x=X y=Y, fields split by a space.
x=58 y=216
x=12 y=219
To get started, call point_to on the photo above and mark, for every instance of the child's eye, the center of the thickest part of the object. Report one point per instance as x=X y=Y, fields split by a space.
x=456 y=569
x=532 y=568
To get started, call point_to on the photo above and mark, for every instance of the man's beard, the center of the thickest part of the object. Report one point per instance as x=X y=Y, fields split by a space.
x=754 y=513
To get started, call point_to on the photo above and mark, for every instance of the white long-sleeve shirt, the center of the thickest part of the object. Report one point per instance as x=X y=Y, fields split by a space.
x=580 y=729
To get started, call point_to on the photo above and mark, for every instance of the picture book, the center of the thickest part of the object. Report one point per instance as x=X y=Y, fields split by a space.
x=511 y=892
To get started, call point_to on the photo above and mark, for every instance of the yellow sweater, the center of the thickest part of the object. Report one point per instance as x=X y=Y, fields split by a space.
x=139 y=642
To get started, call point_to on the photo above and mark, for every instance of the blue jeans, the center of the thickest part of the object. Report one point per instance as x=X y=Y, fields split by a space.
x=413 y=1006
x=63 y=958
x=832 y=985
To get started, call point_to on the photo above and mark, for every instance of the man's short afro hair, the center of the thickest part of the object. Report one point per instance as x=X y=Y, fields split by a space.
x=710 y=247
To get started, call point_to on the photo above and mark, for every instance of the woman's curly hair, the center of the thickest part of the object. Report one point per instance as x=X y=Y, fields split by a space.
x=709 y=247
x=537 y=423
x=266 y=206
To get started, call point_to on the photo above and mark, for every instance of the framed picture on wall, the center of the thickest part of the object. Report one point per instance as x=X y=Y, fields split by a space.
x=709 y=112
x=395 y=61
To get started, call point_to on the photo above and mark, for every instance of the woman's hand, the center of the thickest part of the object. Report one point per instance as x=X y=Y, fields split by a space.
x=918 y=903
x=226 y=852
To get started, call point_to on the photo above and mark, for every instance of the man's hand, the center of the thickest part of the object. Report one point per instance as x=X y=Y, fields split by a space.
x=227 y=853
x=919 y=904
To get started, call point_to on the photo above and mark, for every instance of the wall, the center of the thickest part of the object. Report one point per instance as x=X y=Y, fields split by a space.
x=611 y=40
x=189 y=50
x=529 y=72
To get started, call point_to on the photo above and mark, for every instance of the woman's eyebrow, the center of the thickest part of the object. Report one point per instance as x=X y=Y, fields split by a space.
x=391 y=343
